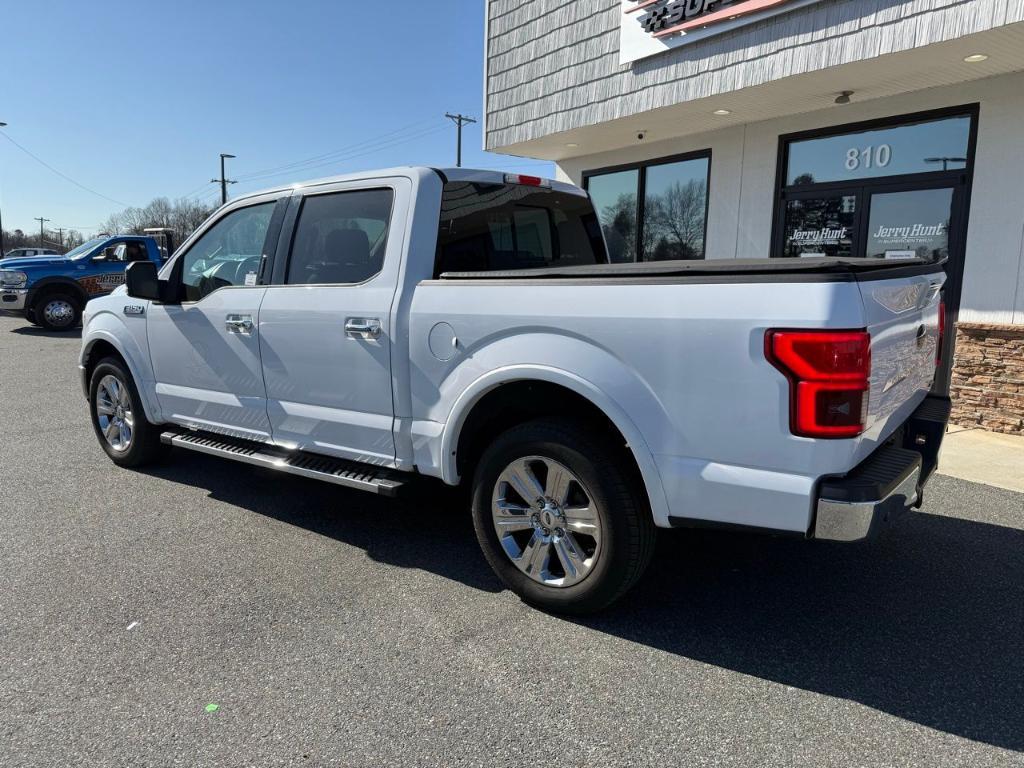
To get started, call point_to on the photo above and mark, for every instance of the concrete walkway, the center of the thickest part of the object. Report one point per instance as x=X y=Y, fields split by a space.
x=983 y=457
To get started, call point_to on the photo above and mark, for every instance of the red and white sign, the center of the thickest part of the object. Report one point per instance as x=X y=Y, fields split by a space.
x=650 y=27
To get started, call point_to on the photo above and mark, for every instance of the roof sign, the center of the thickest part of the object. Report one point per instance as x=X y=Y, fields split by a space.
x=649 y=27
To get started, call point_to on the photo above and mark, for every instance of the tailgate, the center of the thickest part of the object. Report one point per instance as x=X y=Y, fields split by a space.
x=902 y=316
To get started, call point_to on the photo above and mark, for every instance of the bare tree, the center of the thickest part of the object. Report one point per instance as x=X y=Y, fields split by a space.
x=181 y=216
x=618 y=221
x=675 y=221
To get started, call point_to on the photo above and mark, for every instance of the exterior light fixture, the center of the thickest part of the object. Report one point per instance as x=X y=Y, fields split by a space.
x=722 y=112
x=975 y=58
x=572 y=145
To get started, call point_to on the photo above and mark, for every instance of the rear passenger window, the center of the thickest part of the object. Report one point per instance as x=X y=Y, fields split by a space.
x=340 y=237
x=486 y=227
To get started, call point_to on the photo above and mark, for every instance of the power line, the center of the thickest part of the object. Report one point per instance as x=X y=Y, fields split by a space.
x=341 y=151
x=369 y=149
x=351 y=156
x=349 y=152
x=62 y=175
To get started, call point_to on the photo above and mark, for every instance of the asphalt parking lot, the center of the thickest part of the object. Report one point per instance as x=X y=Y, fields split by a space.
x=208 y=613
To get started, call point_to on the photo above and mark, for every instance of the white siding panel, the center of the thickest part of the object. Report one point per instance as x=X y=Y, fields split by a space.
x=553 y=64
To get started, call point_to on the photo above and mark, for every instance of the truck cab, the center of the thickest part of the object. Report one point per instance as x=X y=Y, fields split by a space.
x=51 y=290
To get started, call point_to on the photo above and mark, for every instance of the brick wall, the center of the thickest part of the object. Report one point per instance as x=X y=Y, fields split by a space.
x=988 y=377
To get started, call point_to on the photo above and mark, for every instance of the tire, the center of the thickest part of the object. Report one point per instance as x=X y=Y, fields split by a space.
x=586 y=542
x=57 y=312
x=114 y=405
x=30 y=315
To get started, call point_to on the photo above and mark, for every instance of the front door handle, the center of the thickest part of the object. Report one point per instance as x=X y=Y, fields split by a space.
x=362 y=328
x=240 y=324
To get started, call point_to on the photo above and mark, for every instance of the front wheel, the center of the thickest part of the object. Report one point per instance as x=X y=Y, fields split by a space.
x=558 y=519
x=57 y=312
x=117 y=417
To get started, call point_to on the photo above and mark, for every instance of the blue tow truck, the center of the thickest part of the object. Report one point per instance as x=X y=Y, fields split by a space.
x=51 y=291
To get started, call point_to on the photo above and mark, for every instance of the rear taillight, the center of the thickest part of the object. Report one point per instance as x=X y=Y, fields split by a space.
x=828 y=374
x=942 y=333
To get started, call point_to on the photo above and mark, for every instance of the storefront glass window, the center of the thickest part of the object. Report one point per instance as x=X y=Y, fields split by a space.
x=905 y=225
x=670 y=220
x=821 y=226
x=615 y=199
x=675 y=204
x=934 y=145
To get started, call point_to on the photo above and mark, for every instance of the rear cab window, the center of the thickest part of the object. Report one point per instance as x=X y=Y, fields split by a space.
x=488 y=227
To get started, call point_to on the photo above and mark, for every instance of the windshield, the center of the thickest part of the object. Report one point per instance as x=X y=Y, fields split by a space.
x=84 y=248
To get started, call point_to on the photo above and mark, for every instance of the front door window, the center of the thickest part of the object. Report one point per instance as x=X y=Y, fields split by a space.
x=228 y=253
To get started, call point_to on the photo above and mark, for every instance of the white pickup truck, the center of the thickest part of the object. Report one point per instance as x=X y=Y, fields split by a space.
x=466 y=326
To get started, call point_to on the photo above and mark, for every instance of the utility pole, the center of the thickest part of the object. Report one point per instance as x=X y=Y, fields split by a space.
x=60 y=237
x=41 y=221
x=222 y=180
x=2 y=125
x=459 y=121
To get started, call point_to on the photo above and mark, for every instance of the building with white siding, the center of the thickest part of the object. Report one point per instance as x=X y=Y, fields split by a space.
x=754 y=128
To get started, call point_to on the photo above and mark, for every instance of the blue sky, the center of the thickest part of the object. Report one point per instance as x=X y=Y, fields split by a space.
x=136 y=99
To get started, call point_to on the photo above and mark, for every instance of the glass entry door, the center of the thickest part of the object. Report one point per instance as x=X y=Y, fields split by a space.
x=908 y=224
x=821 y=225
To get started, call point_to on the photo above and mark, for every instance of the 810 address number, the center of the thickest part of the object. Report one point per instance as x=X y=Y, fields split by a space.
x=868 y=157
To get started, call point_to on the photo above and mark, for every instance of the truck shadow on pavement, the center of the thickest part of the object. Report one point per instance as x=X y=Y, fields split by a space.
x=33 y=330
x=926 y=623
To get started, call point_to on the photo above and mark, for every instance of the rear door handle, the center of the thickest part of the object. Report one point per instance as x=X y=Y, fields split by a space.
x=362 y=328
x=240 y=324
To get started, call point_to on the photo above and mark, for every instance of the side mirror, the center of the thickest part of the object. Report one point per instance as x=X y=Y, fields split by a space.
x=141 y=280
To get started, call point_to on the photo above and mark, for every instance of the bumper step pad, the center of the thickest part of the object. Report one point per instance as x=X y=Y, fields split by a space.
x=350 y=474
x=878 y=490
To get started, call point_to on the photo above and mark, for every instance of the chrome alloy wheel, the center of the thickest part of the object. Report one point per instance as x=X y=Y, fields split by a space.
x=547 y=521
x=59 y=313
x=114 y=413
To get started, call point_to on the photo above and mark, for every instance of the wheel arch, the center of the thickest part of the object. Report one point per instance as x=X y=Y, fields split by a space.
x=512 y=395
x=48 y=285
x=101 y=343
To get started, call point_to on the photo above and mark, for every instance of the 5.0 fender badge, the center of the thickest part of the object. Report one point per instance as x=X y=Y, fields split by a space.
x=134 y=309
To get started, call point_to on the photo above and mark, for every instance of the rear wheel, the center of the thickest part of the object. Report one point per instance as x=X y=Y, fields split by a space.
x=558 y=519
x=57 y=312
x=118 y=419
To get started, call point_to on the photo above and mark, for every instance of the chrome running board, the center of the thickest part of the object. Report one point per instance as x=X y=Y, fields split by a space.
x=351 y=474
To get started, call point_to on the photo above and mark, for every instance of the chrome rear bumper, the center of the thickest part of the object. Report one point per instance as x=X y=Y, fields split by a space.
x=840 y=519
x=890 y=481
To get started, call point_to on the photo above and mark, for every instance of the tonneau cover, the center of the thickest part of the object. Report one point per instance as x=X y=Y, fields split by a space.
x=850 y=267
